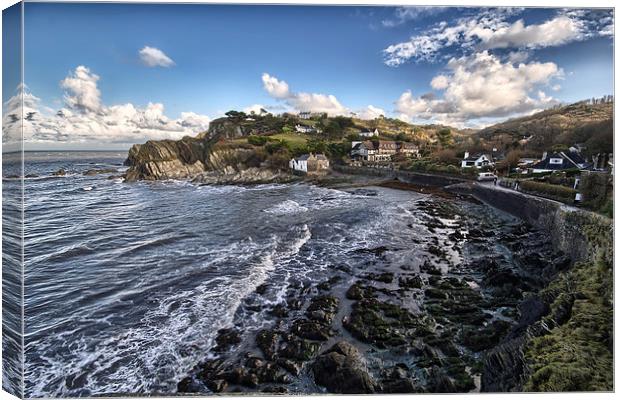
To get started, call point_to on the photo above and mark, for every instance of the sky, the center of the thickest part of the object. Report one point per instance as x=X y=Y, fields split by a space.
x=108 y=75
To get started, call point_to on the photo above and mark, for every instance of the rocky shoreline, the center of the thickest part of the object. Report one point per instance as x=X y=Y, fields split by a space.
x=422 y=326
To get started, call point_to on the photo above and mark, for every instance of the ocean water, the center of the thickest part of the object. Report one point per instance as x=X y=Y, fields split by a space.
x=127 y=284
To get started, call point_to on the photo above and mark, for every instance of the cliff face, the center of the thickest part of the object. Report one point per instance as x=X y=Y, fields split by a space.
x=166 y=159
x=205 y=159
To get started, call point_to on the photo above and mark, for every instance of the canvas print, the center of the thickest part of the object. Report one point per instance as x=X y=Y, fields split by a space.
x=206 y=199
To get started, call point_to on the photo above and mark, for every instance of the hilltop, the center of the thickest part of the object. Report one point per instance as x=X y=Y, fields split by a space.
x=588 y=122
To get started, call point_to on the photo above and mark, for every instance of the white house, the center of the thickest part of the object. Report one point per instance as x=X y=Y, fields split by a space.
x=476 y=161
x=309 y=163
x=304 y=128
x=369 y=133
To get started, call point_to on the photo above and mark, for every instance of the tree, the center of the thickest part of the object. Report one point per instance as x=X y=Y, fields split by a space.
x=444 y=136
x=236 y=116
x=512 y=158
x=445 y=156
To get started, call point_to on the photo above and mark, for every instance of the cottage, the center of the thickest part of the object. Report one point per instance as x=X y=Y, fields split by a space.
x=560 y=161
x=304 y=129
x=476 y=161
x=408 y=149
x=365 y=150
x=369 y=133
x=309 y=164
x=305 y=115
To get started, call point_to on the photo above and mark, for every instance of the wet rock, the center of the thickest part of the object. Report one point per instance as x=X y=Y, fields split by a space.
x=439 y=382
x=226 y=338
x=327 y=285
x=385 y=277
x=414 y=282
x=262 y=289
x=377 y=251
x=217 y=385
x=381 y=324
x=188 y=385
x=93 y=172
x=358 y=292
x=433 y=293
x=267 y=341
x=341 y=370
x=311 y=330
x=299 y=349
x=324 y=308
x=482 y=338
x=279 y=310
x=60 y=172
x=290 y=366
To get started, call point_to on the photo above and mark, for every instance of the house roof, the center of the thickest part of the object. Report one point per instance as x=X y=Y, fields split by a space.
x=386 y=144
x=474 y=157
x=575 y=157
x=321 y=157
x=408 y=145
x=545 y=163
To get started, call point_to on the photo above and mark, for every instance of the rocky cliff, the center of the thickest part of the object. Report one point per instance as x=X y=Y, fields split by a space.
x=207 y=158
x=563 y=341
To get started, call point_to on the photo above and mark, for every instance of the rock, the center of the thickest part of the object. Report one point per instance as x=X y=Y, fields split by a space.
x=385 y=277
x=217 y=385
x=439 y=382
x=226 y=338
x=341 y=370
x=188 y=385
x=415 y=282
x=60 y=172
x=299 y=349
x=267 y=341
x=93 y=172
x=324 y=306
x=311 y=330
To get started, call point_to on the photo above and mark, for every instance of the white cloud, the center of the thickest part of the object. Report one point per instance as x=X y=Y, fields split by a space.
x=314 y=102
x=84 y=119
x=483 y=86
x=256 y=109
x=490 y=29
x=81 y=90
x=557 y=31
x=406 y=14
x=275 y=88
x=371 y=112
x=439 y=82
x=153 y=57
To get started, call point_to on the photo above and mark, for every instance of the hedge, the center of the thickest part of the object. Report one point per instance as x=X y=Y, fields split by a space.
x=546 y=189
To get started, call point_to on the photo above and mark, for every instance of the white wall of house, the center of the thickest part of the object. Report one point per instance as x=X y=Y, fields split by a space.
x=298 y=165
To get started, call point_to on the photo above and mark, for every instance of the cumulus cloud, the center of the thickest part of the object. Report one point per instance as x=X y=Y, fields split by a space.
x=276 y=88
x=153 y=57
x=371 y=112
x=483 y=86
x=490 y=29
x=81 y=90
x=85 y=119
x=314 y=102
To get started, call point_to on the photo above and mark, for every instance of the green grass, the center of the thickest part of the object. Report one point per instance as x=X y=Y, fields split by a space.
x=576 y=354
x=293 y=139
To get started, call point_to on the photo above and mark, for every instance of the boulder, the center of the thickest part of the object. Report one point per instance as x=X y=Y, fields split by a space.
x=341 y=370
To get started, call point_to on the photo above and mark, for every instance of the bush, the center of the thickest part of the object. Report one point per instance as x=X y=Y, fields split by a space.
x=257 y=140
x=556 y=191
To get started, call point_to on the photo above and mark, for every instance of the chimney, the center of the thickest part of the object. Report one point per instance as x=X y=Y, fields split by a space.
x=466 y=155
x=544 y=157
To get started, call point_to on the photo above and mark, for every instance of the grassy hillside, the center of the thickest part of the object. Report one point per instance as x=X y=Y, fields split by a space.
x=582 y=122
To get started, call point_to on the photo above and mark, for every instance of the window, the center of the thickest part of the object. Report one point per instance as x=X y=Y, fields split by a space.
x=555 y=161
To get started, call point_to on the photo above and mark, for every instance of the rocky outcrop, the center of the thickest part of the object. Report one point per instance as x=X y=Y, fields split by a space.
x=202 y=160
x=166 y=159
x=341 y=370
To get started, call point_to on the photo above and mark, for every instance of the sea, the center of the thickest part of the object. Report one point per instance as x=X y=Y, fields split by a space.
x=127 y=284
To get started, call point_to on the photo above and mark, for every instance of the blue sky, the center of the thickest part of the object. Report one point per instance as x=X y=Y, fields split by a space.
x=114 y=74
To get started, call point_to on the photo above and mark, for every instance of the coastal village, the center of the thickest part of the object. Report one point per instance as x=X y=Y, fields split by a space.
x=568 y=173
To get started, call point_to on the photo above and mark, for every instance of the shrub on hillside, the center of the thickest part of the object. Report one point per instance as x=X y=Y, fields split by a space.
x=257 y=140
